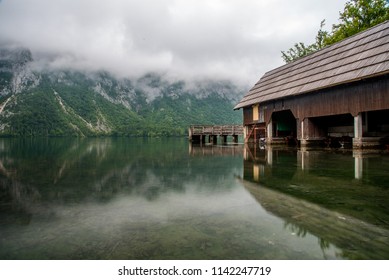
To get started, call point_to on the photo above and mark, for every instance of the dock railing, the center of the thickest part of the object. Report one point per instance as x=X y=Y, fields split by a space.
x=216 y=130
x=198 y=132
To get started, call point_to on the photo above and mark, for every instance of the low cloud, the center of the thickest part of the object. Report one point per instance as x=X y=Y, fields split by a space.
x=202 y=39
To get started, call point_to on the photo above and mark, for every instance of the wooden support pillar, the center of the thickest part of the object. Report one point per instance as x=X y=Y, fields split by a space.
x=357 y=140
x=190 y=133
x=235 y=138
x=269 y=130
x=311 y=133
x=358 y=126
x=298 y=129
x=224 y=139
x=304 y=132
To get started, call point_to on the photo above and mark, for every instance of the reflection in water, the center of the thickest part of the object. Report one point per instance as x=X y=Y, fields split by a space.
x=356 y=238
x=327 y=194
x=150 y=199
x=216 y=150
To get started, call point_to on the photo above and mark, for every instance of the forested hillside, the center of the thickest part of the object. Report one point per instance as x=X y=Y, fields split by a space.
x=73 y=103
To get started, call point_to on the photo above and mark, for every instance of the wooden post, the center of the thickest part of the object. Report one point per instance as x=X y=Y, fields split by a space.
x=357 y=140
x=358 y=126
x=269 y=132
x=190 y=132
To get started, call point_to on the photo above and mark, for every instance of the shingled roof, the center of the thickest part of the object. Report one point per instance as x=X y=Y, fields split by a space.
x=361 y=56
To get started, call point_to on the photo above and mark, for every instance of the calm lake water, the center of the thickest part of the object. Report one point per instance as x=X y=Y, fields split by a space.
x=165 y=199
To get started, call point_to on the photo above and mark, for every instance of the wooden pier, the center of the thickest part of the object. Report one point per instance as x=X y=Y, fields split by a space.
x=199 y=133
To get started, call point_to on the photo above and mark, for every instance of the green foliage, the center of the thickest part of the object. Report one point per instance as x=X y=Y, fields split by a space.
x=357 y=16
x=300 y=49
x=36 y=114
x=70 y=103
x=177 y=108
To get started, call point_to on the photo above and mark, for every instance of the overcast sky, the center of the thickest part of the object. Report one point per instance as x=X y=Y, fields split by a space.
x=237 y=40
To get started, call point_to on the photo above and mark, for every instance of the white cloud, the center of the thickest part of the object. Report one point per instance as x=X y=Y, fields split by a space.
x=224 y=39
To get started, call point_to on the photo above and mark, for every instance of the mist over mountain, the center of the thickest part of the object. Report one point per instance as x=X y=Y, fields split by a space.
x=44 y=101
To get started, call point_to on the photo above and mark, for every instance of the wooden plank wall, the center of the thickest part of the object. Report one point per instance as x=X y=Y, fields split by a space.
x=353 y=98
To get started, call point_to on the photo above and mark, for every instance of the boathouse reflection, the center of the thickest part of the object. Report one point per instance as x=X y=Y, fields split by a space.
x=258 y=158
x=355 y=238
x=325 y=193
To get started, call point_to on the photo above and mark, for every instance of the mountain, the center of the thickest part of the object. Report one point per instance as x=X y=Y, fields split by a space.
x=41 y=102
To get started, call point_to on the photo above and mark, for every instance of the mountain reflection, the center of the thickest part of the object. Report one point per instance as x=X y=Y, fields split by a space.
x=71 y=170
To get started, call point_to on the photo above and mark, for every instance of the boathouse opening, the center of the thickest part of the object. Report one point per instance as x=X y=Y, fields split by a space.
x=335 y=130
x=284 y=124
x=282 y=128
x=377 y=123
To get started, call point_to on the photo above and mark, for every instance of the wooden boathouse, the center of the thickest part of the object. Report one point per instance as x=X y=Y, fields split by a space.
x=336 y=96
x=200 y=133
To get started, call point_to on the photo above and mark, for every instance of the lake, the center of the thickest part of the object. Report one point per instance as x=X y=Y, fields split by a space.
x=134 y=198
